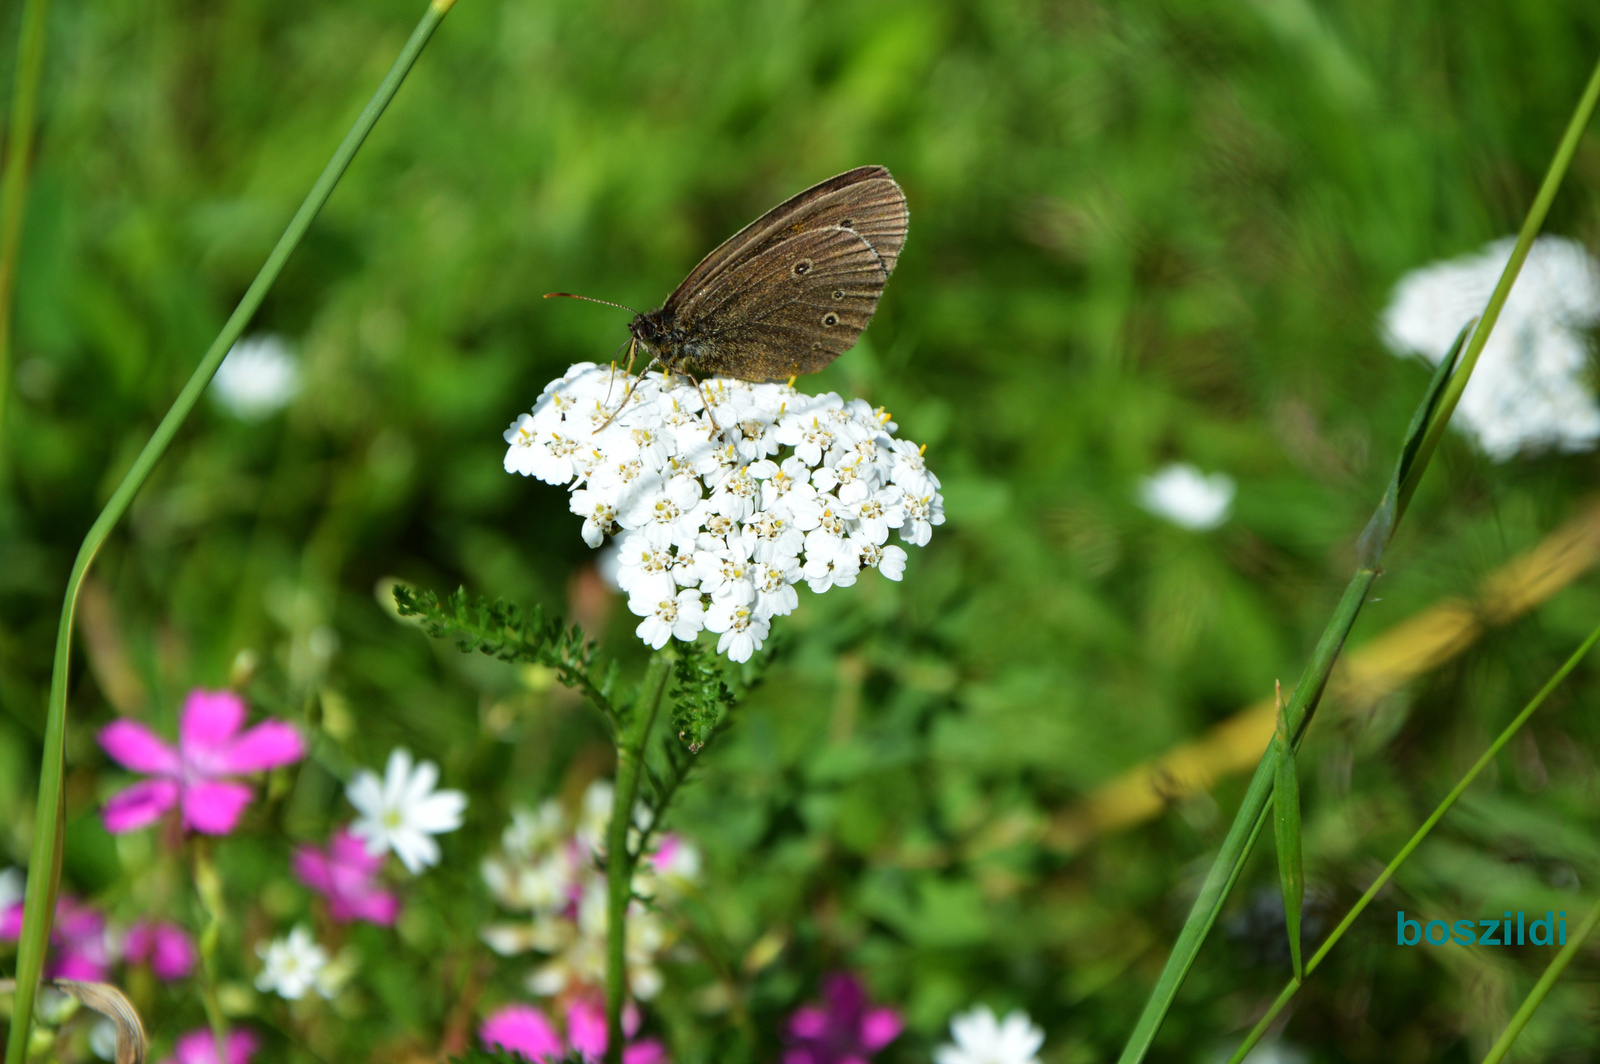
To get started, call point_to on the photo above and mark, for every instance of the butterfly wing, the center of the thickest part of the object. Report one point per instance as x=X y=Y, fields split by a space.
x=790 y=309
x=866 y=200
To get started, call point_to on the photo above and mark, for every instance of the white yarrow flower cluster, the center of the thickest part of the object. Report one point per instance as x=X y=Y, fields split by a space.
x=549 y=868
x=1188 y=498
x=981 y=1038
x=1527 y=392
x=715 y=529
x=402 y=812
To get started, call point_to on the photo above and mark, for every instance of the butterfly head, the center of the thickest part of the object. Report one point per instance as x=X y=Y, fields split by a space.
x=658 y=335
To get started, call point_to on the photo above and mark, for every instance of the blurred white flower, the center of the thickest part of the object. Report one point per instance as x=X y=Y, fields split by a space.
x=257 y=378
x=11 y=888
x=549 y=868
x=291 y=966
x=403 y=812
x=1527 y=391
x=103 y=1038
x=714 y=530
x=1187 y=497
x=980 y=1038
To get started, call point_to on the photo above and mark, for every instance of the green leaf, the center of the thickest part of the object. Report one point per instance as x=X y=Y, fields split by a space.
x=506 y=631
x=1286 y=822
x=1375 y=537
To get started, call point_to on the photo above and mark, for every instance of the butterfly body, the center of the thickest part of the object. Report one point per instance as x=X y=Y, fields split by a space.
x=789 y=292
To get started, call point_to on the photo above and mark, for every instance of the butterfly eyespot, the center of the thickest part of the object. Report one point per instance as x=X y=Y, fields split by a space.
x=847 y=223
x=801 y=268
x=816 y=345
x=829 y=320
x=838 y=293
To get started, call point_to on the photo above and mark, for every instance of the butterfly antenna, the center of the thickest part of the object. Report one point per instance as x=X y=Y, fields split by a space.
x=590 y=299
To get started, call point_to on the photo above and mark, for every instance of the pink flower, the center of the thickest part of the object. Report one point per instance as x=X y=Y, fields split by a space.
x=526 y=1030
x=167 y=947
x=77 y=940
x=190 y=777
x=200 y=1047
x=344 y=874
x=841 y=1030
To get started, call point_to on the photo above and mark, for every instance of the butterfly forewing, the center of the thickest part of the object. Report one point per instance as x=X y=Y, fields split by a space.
x=865 y=200
x=789 y=309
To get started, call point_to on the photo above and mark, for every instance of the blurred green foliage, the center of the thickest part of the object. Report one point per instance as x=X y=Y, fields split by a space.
x=1140 y=232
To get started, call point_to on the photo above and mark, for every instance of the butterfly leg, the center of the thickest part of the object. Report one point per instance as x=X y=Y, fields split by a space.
x=706 y=400
x=625 y=398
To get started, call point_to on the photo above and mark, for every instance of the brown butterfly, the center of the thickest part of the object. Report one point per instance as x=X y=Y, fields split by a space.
x=788 y=293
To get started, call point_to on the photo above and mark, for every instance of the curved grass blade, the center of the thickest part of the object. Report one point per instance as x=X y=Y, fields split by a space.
x=45 y=860
x=1536 y=996
x=1421 y=833
x=1286 y=822
x=1252 y=812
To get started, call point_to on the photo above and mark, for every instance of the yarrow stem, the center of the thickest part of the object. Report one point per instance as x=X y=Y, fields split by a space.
x=719 y=512
x=44 y=861
x=619 y=866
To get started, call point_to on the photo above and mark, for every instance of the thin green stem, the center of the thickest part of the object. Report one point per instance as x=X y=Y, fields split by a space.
x=14 y=192
x=208 y=889
x=619 y=863
x=46 y=854
x=1536 y=996
x=1497 y=300
x=1421 y=833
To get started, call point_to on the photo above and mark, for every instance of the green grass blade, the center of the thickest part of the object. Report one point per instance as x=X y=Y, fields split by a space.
x=14 y=192
x=1421 y=833
x=45 y=860
x=1375 y=537
x=1286 y=822
x=1497 y=300
x=1536 y=996
x=1247 y=823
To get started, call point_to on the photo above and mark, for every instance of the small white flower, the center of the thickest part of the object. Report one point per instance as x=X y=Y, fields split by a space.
x=980 y=1038
x=403 y=812
x=679 y=616
x=258 y=378
x=598 y=512
x=741 y=628
x=1527 y=391
x=1187 y=497
x=291 y=966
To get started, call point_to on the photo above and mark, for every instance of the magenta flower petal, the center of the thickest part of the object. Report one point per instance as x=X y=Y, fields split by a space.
x=200 y=1047
x=880 y=1027
x=645 y=1051
x=312 y=869
x=11 y=923
x=136 y=747
x=139 y=805
x=214 y=807
x=173 y=956
x=522 y=1029
x=586 y=1028
x=208 y=723
x=268 y=745
x=350 y=850
x=808 y=1021
x=76 y=966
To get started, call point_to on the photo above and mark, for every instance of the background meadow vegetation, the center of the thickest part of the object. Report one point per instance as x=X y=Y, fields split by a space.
x=1141 y=232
